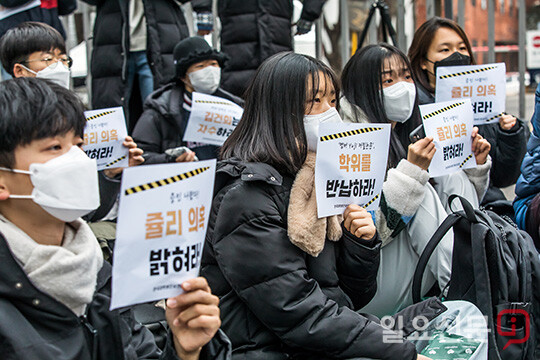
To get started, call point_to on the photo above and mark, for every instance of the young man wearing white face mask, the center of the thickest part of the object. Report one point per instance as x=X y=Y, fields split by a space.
x=167 y=110
x=35 y=49
x=54 y=284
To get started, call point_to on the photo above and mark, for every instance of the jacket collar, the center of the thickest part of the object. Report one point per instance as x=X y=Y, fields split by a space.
x=235 y=168
x=250 y=171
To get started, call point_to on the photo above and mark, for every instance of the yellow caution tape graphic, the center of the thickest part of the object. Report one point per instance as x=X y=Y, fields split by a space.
x=464 y=161
x=213 y=102
x=468 y=72
x=116 y=161
x=440 y=111
x=166 y=181
x=496 y=117
x=371 y=201
x=349 y=133
x=99 y=115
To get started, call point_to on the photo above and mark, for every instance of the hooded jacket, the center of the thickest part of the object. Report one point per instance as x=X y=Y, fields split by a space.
x=34 y=326
x=254 y=30
x=277 y=300
x=163 y=122
x=166 y=26
x=528 y=184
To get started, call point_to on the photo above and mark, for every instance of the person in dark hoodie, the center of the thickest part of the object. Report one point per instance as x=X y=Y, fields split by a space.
x=167 y=110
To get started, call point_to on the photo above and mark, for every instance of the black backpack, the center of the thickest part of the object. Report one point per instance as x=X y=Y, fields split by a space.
x=496 y=267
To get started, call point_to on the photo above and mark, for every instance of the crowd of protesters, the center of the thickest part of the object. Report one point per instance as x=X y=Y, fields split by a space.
x=276 y=281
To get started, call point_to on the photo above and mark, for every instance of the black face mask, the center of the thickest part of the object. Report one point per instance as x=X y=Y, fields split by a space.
x=456 y=59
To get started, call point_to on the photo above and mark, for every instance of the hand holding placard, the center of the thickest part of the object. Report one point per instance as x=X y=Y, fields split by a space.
x=450 y=124
x=193 y=317
x=162 y=220
x=104 y=135
x=359 y=222
x=484 y=85
x=421 y=152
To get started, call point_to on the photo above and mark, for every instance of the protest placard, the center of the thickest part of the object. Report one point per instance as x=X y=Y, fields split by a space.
x=212 y=119
x=450 y=123
x=104 y=135
x=350 y=166
x=162 y=221
x=484 y=85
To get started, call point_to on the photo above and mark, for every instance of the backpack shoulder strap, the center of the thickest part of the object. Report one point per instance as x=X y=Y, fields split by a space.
x=447 y=224
x=468 y=213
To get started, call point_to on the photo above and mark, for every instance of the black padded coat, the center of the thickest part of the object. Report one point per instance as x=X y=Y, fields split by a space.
x=277 y=301
x=166 y=26
x=254 y=30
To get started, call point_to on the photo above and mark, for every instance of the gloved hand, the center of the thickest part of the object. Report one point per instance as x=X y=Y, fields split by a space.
x=303 y=27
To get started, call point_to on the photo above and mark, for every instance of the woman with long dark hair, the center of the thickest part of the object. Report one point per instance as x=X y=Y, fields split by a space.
x=290 y=283
x=378 y=87
x=442 y=42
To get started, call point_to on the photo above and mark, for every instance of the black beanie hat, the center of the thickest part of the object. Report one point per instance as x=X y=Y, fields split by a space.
x=192 y=50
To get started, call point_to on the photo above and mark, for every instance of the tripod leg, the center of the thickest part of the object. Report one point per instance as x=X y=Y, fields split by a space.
x=366 y=28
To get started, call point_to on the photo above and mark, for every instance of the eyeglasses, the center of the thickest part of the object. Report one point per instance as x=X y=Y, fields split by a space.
x=67 y=61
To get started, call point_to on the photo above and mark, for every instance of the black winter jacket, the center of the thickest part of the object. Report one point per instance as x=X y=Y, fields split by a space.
x=166 y=26
x=47 y=16
x=254 y=30
x=163 y=123
x=276 y=300
x=508 y=147
x=34 y=326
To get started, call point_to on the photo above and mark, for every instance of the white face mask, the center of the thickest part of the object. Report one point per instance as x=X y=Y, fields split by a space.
x=312 y=122
x=56 y=72
x=206 y=80
x=399 y=101
x=66 y=186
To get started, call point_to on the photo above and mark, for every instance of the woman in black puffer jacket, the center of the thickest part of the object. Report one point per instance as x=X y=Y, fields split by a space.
x=290 y=282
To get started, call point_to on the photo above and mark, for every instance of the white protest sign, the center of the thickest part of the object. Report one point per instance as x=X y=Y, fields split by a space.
x=162 y=223
x=350 y=166
x=104 y=135
x=212 y=119
x=484 y=85
x=450 y=124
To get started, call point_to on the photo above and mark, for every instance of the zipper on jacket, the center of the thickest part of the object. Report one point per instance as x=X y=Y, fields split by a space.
x=93 y=332
x=126 y=53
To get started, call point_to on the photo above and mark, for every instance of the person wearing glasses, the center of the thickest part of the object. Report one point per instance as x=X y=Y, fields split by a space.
x=33 y=49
